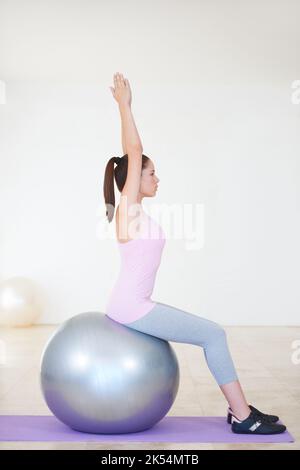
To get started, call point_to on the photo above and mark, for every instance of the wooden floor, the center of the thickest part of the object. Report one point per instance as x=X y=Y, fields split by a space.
x=262 y=356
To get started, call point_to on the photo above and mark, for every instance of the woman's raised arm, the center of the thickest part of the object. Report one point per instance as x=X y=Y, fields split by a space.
x=131 y=143
x=122 y=94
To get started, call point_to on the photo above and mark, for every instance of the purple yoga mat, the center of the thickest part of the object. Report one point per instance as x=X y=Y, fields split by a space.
x=169 y=429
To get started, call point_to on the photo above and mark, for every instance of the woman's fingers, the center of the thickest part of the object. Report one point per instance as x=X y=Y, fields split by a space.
x=119 y=79
x=122 y=80
x=121 y=92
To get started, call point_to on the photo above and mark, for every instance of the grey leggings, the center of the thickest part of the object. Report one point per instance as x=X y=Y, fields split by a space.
x=172 y=324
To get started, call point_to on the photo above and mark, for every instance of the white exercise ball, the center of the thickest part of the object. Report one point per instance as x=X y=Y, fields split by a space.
x=20 y=302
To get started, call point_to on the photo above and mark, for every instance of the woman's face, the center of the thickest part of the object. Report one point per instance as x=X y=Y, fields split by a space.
x=149 y=180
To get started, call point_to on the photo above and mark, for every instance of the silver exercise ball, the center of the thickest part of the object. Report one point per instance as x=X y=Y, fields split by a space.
x=99 y=376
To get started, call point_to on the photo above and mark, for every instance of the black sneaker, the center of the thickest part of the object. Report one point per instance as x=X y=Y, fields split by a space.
x=268 y=418
x=255 y=424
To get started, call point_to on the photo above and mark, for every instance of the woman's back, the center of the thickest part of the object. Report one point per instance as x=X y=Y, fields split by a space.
x=130 y=298
x=122 y=225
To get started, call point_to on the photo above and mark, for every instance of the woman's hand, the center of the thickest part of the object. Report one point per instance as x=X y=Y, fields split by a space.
x=121 y=92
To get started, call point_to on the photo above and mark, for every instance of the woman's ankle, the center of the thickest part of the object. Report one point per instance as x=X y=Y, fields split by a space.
x=241 y=414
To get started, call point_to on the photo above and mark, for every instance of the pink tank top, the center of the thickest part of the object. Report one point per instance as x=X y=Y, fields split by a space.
x=130 y=298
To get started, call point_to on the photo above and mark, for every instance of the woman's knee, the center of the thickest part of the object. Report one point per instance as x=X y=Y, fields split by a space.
x=217 y=332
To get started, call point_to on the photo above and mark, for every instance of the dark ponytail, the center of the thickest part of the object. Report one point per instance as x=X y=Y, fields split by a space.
x=119 y=173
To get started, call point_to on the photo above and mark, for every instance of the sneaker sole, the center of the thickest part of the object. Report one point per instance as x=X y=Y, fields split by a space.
x=258 y=433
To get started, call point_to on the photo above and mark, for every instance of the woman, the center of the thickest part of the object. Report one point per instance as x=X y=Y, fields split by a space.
x=130 y=301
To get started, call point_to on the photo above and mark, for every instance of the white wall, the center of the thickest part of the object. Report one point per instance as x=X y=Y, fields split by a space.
x=212 y=87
